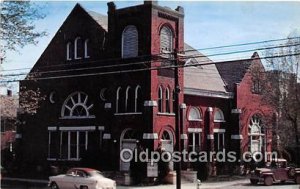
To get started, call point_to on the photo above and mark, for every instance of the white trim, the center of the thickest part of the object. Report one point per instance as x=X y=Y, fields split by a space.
x=54 y=128
x=51 y=159
x=219 y=121
x=68 y=51
x=129 y=113
x=83 y=128
x=237 y=137
x=194 y=130
x=75 y=117
x=117 y=99
x=183 y=106
x=195 y=120
x=150 y=136
x=101 y=128
x=126 y=98
x=206 y=93
x=18 y=135
x=219 y=130
x=151 y=103
x=107 y=105
x=210 y=137
x=51 y=97
x=106 y=136
x=136 y=97
x=183 y=136
x=166 y=113
x=236 y=111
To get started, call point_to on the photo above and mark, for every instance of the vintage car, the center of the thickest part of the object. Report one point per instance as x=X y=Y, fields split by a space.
x=276 y=171
x=81 y=178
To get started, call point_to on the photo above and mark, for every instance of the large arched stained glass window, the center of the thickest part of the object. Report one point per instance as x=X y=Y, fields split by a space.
x=77 y=105
x=256 y=134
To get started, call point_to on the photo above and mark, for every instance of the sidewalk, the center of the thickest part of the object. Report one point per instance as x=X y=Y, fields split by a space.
x=205 y=185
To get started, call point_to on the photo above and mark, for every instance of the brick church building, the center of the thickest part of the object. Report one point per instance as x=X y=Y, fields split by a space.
x=108 y=84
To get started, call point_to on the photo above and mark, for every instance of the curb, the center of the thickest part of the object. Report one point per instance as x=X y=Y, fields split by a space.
x=25 y=180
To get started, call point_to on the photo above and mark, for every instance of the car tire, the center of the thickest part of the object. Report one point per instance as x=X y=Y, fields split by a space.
x=268 y=181
x=84 y=187
x=54 y=185
x=297 y=179
x=254 y=181
x=292 y=172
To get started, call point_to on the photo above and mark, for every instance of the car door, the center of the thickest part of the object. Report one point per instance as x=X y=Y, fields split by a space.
x=66 y=182
x=280 y=174
x=80 y=179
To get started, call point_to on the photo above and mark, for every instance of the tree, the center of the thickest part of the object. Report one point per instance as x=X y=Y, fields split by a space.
x=281 y=90
x=17 y=25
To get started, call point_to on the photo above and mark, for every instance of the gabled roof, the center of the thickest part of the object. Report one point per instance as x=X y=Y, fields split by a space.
x=205 y=78
x=233 y=72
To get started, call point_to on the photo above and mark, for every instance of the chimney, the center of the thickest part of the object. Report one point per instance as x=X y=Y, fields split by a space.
x=9 y=92
x=150 y=2
x=180 y=9
x=111 y=6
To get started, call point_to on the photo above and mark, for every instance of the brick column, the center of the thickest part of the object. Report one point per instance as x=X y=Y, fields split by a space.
x=210 y=138
x=236 y=137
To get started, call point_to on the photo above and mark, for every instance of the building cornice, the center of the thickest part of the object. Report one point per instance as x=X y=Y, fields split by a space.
x=206 y=93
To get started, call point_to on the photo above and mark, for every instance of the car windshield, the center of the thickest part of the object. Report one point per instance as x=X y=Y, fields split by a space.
x=95 y=173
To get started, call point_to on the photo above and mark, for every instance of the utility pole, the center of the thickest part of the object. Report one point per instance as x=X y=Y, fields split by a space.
x=177 y=121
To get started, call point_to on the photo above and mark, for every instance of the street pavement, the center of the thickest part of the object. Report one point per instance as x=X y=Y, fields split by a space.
x=237 y=184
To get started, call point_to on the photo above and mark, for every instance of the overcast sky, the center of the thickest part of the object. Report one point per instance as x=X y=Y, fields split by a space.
x=207 y=24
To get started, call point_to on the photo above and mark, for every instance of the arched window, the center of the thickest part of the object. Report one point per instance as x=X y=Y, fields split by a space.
x=130 y=42
x=138 y=100
x=166 y=39
x=118 y=101
x=167 y=100
x=69 y=54
x=128 y=100
x=166 y=136
x=86 y=48
x=76 y=105
x=160 y=108
x=194 y=114
x=77 y=48
x=219 y=116
x=255 y=133
x=173 y=101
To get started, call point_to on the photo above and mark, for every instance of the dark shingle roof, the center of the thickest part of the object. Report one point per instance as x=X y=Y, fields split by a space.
x=201 y=77
x=233 y=72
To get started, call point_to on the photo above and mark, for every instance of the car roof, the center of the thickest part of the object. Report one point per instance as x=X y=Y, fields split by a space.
x=83 y=169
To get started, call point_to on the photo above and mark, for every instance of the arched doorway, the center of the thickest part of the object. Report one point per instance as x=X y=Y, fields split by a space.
x=128 y=140
x=167 y=143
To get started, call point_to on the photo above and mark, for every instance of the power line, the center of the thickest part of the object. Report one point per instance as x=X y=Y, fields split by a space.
x=143 y=69
x=245 y=44
x=146 y=62
x=145 y=56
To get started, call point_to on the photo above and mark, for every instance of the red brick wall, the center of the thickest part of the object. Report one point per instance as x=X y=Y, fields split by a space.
x=251 y=104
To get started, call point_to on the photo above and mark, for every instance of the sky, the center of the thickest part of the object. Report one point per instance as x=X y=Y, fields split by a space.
x=207 y=24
